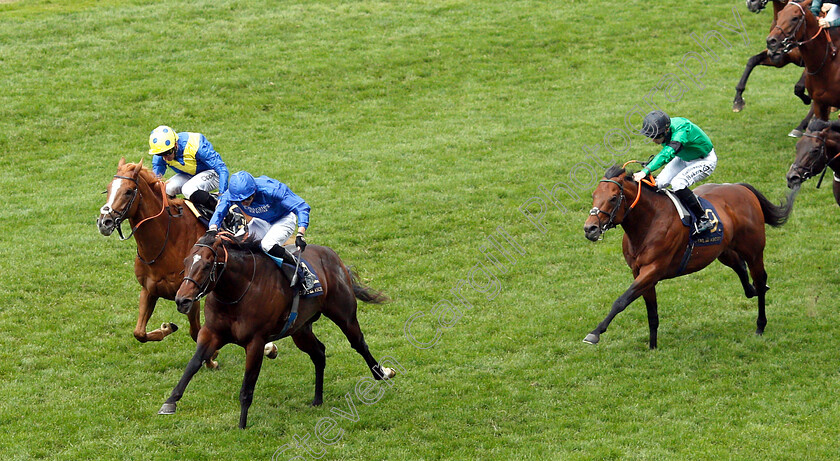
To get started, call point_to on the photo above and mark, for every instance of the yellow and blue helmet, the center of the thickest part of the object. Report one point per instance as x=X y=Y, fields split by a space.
x=162 y=139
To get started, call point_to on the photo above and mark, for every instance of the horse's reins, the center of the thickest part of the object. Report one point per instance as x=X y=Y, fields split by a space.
x=119 y=219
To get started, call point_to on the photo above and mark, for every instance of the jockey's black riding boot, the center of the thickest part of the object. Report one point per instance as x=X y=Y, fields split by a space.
x=280 y=253
x=203 y=198
x=691 y=202
x=308 y=277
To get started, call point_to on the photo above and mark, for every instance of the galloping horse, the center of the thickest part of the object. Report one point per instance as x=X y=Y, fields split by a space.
x=797 y=28
x=763 y=59
x=164 y=234
x=655 y=242
x=818 y=148
x=252 y=304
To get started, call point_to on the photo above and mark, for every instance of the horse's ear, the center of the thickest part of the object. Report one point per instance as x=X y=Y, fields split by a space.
x=138 y=167
x=817 y=125
x=835 y=126
x=122 y=162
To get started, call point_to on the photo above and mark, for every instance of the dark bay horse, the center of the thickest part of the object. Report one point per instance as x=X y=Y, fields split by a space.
x=164 y=234
x=250 y=305
x=763 y=59
x=818 y=148
x=797 y=28
x=655 y=241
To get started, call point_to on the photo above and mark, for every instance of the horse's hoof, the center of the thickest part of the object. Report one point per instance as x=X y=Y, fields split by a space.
x=737 y=106
x=316 y=403
x=167 y=409
x=795 y=133
x=591 y=338
x=759 y=332
x=388 y=373
x=270 y=351
x=211 y=363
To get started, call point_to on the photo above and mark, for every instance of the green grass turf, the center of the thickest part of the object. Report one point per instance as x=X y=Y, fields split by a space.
x=414 y=129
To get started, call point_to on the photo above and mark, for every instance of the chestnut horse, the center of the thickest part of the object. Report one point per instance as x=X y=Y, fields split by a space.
x=797 y=28
x=763 y=59
x=164 y=234
x=655 y=241
x=818 y=148
x=252 y=304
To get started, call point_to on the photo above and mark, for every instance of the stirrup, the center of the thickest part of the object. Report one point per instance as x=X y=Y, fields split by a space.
x=702 y=225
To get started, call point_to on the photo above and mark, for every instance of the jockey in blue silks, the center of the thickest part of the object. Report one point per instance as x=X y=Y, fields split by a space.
x=274 y=209
x=199 y=169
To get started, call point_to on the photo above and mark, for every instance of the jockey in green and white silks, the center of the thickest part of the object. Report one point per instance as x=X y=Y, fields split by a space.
x=274 y=210
x=832 y=12
x=199 y=169
x=688 y=156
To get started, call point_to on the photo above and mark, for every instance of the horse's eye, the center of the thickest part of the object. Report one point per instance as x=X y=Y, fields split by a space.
x=127 y=192
x=614 y=199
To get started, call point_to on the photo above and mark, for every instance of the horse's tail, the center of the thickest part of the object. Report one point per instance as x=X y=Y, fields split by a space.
x=775 y=215
x=366 y=293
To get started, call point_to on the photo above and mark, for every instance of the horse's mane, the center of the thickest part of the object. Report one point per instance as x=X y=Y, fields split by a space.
x=145 y=174
x=819 y=125
x=243 y=243
x=618 y=170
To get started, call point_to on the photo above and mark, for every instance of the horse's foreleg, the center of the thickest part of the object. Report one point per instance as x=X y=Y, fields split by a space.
x=645 y=281
x=146 y=309
x=253 y=364
x=738 y=103
x=803 y=125
x=652 y=314
x=799 y=90
x=194 y=317
x=306 y=341
x=205 y=347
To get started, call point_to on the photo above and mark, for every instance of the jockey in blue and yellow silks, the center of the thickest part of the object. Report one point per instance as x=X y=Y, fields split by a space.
x=198 y=168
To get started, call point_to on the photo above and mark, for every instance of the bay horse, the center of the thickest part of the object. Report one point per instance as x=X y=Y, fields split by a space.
x=818 y=148
x=763 y=59
x=797 y=28
x=655 y=241
x=251 y=304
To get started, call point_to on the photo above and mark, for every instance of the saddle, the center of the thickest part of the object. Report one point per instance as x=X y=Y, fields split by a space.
x=712 y=237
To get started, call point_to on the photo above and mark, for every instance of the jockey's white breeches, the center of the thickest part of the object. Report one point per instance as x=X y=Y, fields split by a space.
x=273 y=234
x=207 y=180
x=680 y=174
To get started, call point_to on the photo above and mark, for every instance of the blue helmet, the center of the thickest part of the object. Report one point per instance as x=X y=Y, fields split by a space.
x=241 y=186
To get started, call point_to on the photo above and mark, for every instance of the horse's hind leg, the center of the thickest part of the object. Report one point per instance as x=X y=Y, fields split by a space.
x=346 y=320
x=759 y=276
x=731 y=259
x=652 y=314
x=306 y=341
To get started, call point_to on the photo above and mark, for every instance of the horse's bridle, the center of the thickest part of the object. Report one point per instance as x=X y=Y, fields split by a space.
x=790 y=42
x=216 y=274
x=118 y=219
x=810 y=173
x=595 y=211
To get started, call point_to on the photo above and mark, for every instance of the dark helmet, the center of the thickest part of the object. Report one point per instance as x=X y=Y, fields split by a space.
x=655 y=124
